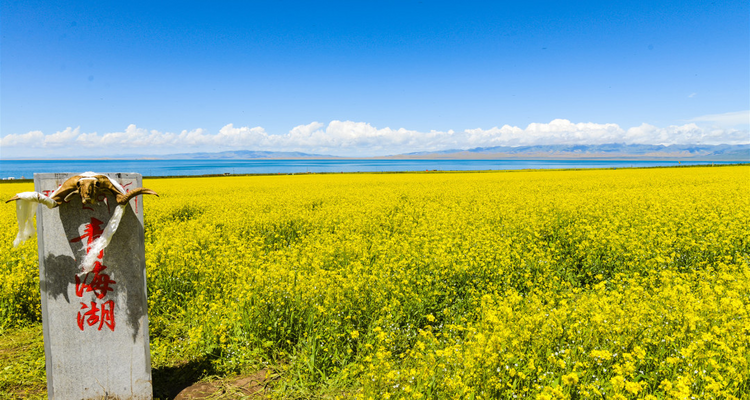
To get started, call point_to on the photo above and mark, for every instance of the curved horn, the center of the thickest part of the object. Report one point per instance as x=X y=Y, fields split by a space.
x=68 y=187
x=122 y=198
x=106 y=184
x=126 y=198
x=70 y=195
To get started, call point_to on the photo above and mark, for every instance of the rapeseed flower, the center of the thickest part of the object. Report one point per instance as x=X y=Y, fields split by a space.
x=545 y=284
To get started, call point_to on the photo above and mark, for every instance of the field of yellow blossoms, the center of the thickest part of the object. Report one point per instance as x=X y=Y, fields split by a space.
x=603 y=284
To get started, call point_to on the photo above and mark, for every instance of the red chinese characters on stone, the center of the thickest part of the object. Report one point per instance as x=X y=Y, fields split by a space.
x=97 y=282
x=104 y=315
x=91 y=233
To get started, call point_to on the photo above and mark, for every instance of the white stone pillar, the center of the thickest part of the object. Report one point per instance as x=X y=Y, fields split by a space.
x=95 y=325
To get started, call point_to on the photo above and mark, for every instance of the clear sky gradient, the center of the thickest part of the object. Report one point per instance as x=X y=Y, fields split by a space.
x=368 y=78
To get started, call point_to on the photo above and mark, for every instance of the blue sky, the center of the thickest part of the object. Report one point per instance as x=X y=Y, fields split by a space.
x=369 y=78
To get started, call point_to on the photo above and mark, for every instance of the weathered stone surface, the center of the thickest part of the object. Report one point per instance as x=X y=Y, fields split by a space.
x=96 y=324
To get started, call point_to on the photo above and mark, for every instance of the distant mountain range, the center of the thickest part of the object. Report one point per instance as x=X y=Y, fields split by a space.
x=613 y=151
x=243 y=154
x=610 y=148
x=722 y=152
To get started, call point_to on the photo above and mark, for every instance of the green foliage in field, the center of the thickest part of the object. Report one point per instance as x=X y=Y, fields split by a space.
x=553 y=284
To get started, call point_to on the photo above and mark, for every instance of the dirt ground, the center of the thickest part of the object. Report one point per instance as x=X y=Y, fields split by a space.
x=245 y=387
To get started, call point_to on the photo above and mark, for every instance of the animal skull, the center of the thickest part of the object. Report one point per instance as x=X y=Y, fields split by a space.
x=89 y=187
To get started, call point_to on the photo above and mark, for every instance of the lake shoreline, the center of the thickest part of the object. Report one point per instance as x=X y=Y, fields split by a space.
x=716 y=164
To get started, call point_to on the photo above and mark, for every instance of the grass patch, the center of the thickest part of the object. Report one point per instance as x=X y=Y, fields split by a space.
x=22 y=374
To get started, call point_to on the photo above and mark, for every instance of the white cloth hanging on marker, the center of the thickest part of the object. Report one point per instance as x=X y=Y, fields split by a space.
x=25 y=212
x=102 y=241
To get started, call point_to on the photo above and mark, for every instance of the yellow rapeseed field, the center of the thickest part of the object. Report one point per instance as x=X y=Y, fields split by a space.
x=614 y=284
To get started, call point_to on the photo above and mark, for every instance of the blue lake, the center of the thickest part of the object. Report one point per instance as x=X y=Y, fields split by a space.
x=26 y=168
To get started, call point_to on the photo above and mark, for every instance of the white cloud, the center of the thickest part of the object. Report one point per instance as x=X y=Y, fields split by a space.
x=362 y=139
x=30 y=139
x=727 y=119
x=562 y=131
x=62 y=138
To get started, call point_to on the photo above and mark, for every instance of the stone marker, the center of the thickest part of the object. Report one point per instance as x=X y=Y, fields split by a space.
x=95 y=324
